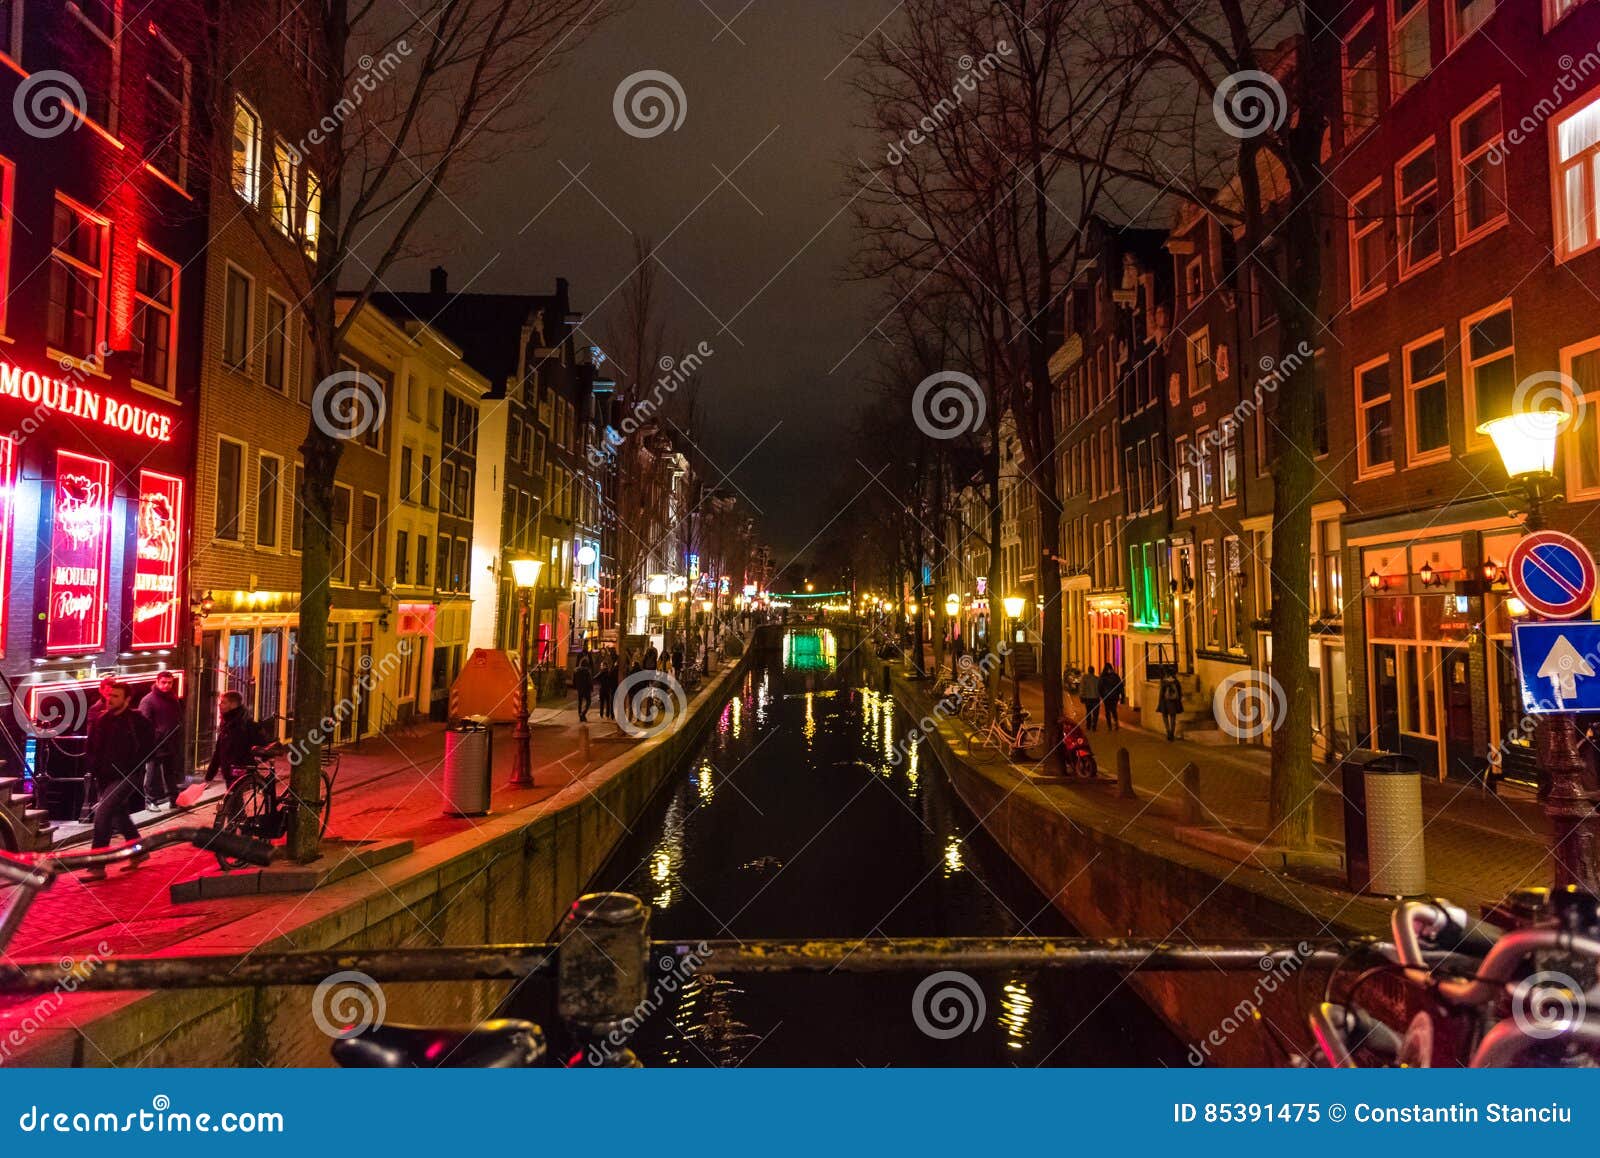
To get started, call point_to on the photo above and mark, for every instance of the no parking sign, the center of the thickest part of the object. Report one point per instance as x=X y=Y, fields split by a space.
x=1553 y=573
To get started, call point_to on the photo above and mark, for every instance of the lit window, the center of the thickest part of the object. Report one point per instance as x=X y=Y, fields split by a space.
x=1228 y=434
x=1480 y=173
x=154 y=314
x=167 y=107
x=1578 y=160
x=76 y=318
x=1202 y=372
x=1467 y=16
x=1374 y=418
x=1427 y=404
x=1361 y=96
x=247 y=145
x=1368 y=254
x=1206 y=468
x=1417 y=192
x=285 y=186
x=1490 y=366
x=1411 y=50
x=313 y=215
x=1195 y=281
x=1581 y=364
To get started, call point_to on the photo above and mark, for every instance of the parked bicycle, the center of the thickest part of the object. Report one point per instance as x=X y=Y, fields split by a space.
x=1527 y=996
x=259 y=805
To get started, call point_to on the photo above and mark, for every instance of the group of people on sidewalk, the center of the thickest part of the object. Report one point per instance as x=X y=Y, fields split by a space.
x=134 y=757
x=1101 y=693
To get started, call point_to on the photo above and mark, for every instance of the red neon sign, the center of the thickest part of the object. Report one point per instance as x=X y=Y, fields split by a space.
x=76 y=400
x=8 y=491
x=80 y=550
x=155 y=567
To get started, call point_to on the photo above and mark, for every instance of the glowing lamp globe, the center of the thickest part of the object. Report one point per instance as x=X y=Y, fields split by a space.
x=952 y=604
x=1014 y=605
x=525 y=572
x=665 y=607
x=1527 y=441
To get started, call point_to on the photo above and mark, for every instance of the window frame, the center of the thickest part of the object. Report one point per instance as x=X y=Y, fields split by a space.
x=286 y=354
x=1346 y=70
x=255 y=155
x=239 y=508
x=1357 y=233
x=142 y=301
x=1191 y=342
x=1396 y=26
x=1401 y=216
x=276 y=546
x=1414 y=455
x=1569 y=447
x=1474 y=440
x=102 y=277
x=180 y=101
x=1458 y=163
x=1551 y=21
x=1453 y=37
x=230 y=269
x=112 y=43
x=1587 y=161
x=1366 y=469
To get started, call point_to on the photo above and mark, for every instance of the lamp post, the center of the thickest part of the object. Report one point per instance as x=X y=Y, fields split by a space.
x=525 y=574
x=1527 y=446
x=952 y=611
x=1014 y=605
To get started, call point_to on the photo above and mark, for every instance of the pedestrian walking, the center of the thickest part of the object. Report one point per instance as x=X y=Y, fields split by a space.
x=606 y=684
x=1169 y=703
x=583 y=683
x=120 y=744
x=1089 y=693
x=652 y=658
x=164 y=774
x=1111 y=693
x=677 y=662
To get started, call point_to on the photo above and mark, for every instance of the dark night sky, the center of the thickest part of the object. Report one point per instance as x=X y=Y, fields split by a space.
x=763 y=89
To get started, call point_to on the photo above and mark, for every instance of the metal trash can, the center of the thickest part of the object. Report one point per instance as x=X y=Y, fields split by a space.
x=1383 y=823
x=468 y=755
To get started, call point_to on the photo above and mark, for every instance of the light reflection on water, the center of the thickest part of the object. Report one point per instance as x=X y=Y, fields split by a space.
x=794 y=820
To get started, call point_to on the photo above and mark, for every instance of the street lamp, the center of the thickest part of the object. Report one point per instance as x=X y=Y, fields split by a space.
x=1527 y=444
x=525 y=574
x=1014 y=605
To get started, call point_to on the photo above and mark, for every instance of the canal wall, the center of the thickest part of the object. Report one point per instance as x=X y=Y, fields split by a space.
x=1117 y=872
x=507 y=879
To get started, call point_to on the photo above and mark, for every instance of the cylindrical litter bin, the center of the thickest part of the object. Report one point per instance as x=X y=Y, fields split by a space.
x=1393 y=786
x=467 y=767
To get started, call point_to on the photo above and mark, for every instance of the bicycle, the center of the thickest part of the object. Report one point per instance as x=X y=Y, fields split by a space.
x=259 y=806
x=1529 y=995
x=32 y=873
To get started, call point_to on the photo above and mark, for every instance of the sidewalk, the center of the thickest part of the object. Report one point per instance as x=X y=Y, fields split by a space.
x=392 y=789
x=1478 y=846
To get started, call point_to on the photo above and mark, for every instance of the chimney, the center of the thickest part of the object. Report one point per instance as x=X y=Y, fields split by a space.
x=438 y=281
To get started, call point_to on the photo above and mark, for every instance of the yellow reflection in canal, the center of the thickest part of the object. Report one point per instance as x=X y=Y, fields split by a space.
x=1016 y=1009
x=953 y=863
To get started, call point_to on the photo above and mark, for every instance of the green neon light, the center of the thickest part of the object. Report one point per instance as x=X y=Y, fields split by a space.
x=809 y=595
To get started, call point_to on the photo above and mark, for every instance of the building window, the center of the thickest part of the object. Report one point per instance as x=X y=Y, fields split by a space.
x=1417 y=193
x=154 y=316
x=230 y=491
x=423 y=559
x=443 y=578
x=1554 y=10
x=247 y=146
x=1205 y=468
x=1194 y=280
x=76 y=319
x=276 y=359
x=1185 y=476
x=1427 y=402
x=11 y=28
x=1368 y=253
x=1228 y=437
x=285 y=187
x=427 y=480
x=269 y=480
x=1480 y=170
x=311 y=229
x=1210 y=596
x=1489 y=355
x=1581 y=365
x=367 y=551
x=94 y=32
x=1202 y=373
x=167 y=107
x=1465 y=17
x=447 y=489
x=402 y=557
x=1411 y=48
x=1362 y=98
x=464 y=492
x=1374 y=418
x=237 y=308
x=339 y=532
x=1577 y=155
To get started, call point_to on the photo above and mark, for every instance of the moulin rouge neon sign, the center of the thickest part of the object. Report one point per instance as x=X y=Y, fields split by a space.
x=80 y=544
x=78 y=401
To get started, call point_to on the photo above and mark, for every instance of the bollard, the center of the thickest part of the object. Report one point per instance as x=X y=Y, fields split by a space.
x=1125 y=776
x=1190 y=779
x=583 y=744
x=886 y=676
x=603 y=974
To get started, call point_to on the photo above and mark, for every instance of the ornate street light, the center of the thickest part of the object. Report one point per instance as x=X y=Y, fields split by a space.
x=1527 y=443
x=525 y=574
x=1014 y=605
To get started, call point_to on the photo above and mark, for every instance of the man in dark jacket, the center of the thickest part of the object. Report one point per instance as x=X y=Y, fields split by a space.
x=236 y=741
x=583 y=683
x=164 y=774
x=120 y=743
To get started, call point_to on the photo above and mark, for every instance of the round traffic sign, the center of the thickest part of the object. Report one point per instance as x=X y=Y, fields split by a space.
x=1553 y=573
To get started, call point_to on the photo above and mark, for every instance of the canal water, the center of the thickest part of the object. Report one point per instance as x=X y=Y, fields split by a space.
x=793 y=821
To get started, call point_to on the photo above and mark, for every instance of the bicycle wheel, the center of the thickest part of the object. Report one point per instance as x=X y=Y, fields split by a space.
x=240 y=812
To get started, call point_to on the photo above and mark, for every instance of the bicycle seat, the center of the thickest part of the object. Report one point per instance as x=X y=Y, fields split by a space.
x=490 y=1045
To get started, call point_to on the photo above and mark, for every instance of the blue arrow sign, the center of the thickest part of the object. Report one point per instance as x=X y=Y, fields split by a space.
x=1558 y=666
